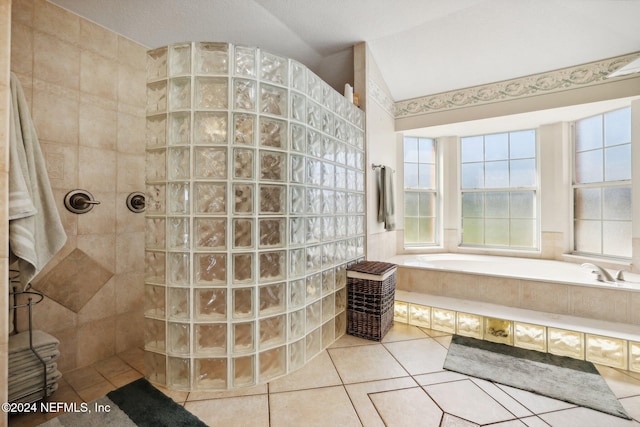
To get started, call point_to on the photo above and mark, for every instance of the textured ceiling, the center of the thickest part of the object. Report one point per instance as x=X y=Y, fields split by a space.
x=422 y=47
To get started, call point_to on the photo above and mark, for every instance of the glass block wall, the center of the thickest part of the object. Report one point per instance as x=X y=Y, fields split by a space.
x=255 y=208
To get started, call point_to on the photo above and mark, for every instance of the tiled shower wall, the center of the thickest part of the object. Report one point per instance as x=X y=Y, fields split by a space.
x=255 y=208
x=86 y=89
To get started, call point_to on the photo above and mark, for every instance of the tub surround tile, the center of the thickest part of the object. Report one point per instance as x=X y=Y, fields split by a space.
x=459 y=285
x=394 y=411
x=601 y=304
x=549 y=297
x=634 y=301
x=413 y=280
x=101 y=247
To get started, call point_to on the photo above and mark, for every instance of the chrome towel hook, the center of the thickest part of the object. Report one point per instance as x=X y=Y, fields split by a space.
x=79 y=201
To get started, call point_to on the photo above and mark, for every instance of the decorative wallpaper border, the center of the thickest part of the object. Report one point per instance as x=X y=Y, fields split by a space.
x=380 y=96
x=589 y=74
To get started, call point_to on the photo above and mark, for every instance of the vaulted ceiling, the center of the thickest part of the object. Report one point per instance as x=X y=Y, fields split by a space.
x=422 y=47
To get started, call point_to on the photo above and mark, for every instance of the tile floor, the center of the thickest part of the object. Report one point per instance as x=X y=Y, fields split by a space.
x=399 y=382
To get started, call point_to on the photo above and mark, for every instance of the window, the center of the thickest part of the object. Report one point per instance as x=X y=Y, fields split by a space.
x=499 y=190
x=420 y=194
x=602 y=184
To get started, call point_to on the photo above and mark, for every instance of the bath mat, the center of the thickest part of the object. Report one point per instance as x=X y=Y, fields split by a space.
x=563 y=378
x=135 y=404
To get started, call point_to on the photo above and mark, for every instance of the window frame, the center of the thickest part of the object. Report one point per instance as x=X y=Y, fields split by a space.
x=436 y=191
x=602 y=185
x=536 y=190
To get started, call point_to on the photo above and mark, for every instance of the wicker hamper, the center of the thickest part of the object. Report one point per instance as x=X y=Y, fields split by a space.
x=371 y=290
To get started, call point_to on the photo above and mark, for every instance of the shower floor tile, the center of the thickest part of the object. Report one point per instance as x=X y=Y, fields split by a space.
x=357 y=382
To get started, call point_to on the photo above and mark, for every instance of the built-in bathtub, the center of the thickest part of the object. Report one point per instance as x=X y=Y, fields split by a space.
x=556 y=302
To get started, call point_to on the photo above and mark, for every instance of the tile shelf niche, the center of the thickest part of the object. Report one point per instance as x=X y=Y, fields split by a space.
x=255 y=208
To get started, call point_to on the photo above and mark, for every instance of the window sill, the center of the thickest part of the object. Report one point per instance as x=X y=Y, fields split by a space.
x=613 y=263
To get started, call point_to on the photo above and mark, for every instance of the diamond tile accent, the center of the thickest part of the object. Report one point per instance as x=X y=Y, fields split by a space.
x=74 y=281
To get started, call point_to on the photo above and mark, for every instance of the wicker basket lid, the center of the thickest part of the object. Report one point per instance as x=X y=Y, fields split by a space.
x=372 y=267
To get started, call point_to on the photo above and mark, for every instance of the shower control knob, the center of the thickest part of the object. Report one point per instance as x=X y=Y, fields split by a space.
x=136 y=202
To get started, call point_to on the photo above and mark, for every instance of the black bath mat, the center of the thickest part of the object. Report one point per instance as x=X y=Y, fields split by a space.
x=563 y=378
x=135 y=404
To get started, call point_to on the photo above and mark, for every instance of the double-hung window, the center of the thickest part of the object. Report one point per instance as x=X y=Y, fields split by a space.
x=420 y=192
x=602 y=184
x=499 y=190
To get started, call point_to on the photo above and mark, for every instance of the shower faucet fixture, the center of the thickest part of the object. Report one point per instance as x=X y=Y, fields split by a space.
x=79 y=201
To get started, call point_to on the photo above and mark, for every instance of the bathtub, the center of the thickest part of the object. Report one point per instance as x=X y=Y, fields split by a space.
x=547 y=286
x=511 y=267
x=549 y=306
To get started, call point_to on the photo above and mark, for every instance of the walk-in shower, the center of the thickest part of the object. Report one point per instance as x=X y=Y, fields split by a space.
x=255 y=208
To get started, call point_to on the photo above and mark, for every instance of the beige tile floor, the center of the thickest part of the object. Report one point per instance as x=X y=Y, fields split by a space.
x=399 y=382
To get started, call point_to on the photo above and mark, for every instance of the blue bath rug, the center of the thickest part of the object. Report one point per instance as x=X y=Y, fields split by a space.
x=563 y=378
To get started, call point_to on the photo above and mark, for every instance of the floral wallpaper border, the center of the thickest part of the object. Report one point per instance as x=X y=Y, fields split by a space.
x=589 y=74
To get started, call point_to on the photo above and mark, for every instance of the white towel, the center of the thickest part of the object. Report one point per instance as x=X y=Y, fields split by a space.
x=386 y=203
x=39 y=339
x=35 y=229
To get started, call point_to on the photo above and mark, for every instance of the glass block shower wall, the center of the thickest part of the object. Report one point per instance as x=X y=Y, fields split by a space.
x=255 y=208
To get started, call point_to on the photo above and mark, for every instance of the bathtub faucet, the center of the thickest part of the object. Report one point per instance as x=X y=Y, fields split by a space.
x=602 y=274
